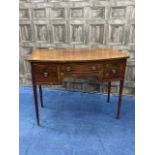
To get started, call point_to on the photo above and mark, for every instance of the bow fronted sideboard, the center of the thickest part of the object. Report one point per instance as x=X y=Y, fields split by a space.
x=51 y=67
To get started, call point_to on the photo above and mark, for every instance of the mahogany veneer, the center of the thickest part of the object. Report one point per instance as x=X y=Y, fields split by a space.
x=52 y=66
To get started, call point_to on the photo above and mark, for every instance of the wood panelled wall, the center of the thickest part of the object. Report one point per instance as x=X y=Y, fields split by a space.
x=49 y=24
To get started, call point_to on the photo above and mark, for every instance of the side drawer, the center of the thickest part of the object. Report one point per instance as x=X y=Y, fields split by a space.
x=45 y=73
x=114 y=69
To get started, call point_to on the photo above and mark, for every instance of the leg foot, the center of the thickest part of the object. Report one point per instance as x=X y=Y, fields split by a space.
x=109 y=90
x=119 y=99
x=36 y=103
x=41 y=96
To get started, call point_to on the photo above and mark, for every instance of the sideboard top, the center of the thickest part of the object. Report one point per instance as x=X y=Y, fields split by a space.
x=76 y=55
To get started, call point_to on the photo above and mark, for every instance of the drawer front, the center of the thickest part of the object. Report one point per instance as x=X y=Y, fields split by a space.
x=80 y=75
x=45 y=73
x=85 y=70
x=80 y=68
x=114 y=69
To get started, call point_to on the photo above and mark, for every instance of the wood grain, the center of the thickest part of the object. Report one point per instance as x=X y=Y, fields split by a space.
x=53 y=66
x=76 y=55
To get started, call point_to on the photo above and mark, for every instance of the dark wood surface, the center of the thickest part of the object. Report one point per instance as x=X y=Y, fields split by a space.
x=52 y=66
x=41 y=96
x=109 y=90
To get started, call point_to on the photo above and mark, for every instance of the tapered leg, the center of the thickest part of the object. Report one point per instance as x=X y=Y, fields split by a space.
x=109 y=90
x=120 y=99
x=41 y=96
x=36 y=103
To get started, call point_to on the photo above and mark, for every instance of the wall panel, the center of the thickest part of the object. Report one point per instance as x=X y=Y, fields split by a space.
x=49 y=24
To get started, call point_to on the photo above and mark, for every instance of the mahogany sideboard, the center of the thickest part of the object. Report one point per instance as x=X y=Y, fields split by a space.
x=52 y=66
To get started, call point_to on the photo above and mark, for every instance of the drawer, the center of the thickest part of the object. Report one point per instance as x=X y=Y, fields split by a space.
x=114 y=69
x=39 y=68
x=45 y=73
x=80 y=68
x=80 y=75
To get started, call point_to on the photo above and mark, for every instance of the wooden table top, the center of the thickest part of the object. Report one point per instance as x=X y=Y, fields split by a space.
x=76 y=55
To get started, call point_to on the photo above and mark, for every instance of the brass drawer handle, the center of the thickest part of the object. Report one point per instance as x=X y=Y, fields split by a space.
x=45 y=74
x=61 y=73
x=94 y=68
x=114 y=71
x=68 y=69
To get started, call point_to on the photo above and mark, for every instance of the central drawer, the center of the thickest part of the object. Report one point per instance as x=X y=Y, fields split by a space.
x=85 y=70
x=80 y=68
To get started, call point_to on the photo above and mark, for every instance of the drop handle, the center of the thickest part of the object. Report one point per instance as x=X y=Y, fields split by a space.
x=68 y=69
x=93 y=68
x=45 y=74
x=114 y=71
x=61 y=73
